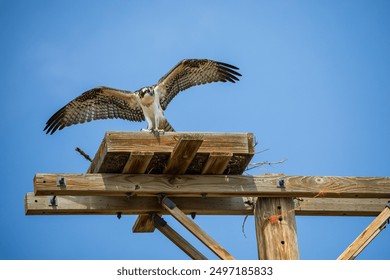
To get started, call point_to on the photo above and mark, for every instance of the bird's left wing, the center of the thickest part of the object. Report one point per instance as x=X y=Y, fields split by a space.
x=97 y=103
x=192 y=72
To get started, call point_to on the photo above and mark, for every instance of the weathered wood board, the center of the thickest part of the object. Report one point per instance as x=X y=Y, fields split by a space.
x=267 y=185
x=111 y=205
x=170 y=151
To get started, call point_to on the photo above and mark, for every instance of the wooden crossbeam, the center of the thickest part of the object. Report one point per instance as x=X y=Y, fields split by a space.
x=195 y=229
x=212 y=185
x=111 y=205
x=373 y=229
x=240 y=143
x=138 y=162
x=182 y=155
x=216 y=163
x=177 y=239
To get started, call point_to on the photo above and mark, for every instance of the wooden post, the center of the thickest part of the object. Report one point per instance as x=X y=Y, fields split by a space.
x=276 y=229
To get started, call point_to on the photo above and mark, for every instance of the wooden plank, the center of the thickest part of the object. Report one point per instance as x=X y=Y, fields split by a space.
x=276 y=229
x=213 y=185
x=144 y=223
x=373 y=229
x=240 y=143
x=216 y=163
x=137 y=162
x=177 y=239
x=98 y=159
x=339 y=206
x=110 y=205
x=195 y=230
x=182 y=155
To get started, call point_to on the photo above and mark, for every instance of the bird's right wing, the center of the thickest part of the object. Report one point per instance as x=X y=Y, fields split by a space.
x=94 y=104
x=192 y=72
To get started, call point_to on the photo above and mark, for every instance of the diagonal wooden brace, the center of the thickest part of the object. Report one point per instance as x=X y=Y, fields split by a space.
x=176 y=238
x=373 y=229
x=171 y=207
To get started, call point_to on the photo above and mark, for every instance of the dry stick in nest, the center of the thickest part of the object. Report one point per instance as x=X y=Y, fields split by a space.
x=259 y=164
x=83 y=154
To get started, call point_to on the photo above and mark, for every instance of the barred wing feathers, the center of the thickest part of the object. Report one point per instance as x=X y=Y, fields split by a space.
x=94 y=104
x=192 y=72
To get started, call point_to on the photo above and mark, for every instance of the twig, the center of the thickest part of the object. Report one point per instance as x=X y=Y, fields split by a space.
x=260 y=164
x=83 y=154
x=243 y=225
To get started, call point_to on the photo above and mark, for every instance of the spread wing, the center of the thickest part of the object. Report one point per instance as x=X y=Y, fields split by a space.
x=94 y=104
x=192 y=72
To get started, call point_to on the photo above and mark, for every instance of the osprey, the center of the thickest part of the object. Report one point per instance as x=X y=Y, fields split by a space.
x=146 y=103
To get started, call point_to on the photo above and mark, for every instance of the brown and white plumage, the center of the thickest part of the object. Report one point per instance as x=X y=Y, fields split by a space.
x=147 y=103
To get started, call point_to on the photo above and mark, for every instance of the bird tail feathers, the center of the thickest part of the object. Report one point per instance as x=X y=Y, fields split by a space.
x=168 y=127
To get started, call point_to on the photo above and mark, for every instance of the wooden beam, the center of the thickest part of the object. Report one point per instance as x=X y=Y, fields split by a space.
x=216 y=163
x=238 y=143
x=183 y=154
x=110 y=205
x=144 y=223
x=339 y=206
x=195 y=230
x=276 y=229
x=177 y=239
x=138 y=162
x=373 y=229
x=212 y=185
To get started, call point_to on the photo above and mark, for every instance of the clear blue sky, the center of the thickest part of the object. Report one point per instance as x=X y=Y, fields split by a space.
x=315 y=90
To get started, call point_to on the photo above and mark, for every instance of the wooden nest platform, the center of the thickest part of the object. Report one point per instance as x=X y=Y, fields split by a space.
x=174 y=153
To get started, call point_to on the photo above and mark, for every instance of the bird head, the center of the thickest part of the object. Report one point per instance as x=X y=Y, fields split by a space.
x=145 y=91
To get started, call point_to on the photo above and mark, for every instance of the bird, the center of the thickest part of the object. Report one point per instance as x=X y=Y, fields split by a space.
x=146 y=103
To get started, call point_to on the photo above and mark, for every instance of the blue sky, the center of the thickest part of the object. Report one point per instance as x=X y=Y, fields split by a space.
x=314 y=90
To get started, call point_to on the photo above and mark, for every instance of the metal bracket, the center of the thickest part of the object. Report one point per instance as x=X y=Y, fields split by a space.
x=61 y=182
x=280 y=183
x=53 y=201
x=158 y=220
x=169 y=203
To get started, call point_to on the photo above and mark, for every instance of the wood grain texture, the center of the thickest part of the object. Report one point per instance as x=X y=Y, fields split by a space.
x=177 y=239
x=110 y=205
x=137 y=162
x=212 y=142
x=144 y=223
x=213 y=185
x=216 y=163
x=373 y=229
x=276 y=231
x=115 y=151
x=182 y=155
x=191 y=226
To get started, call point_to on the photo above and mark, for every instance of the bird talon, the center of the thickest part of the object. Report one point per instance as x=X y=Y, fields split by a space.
x=157 y=132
